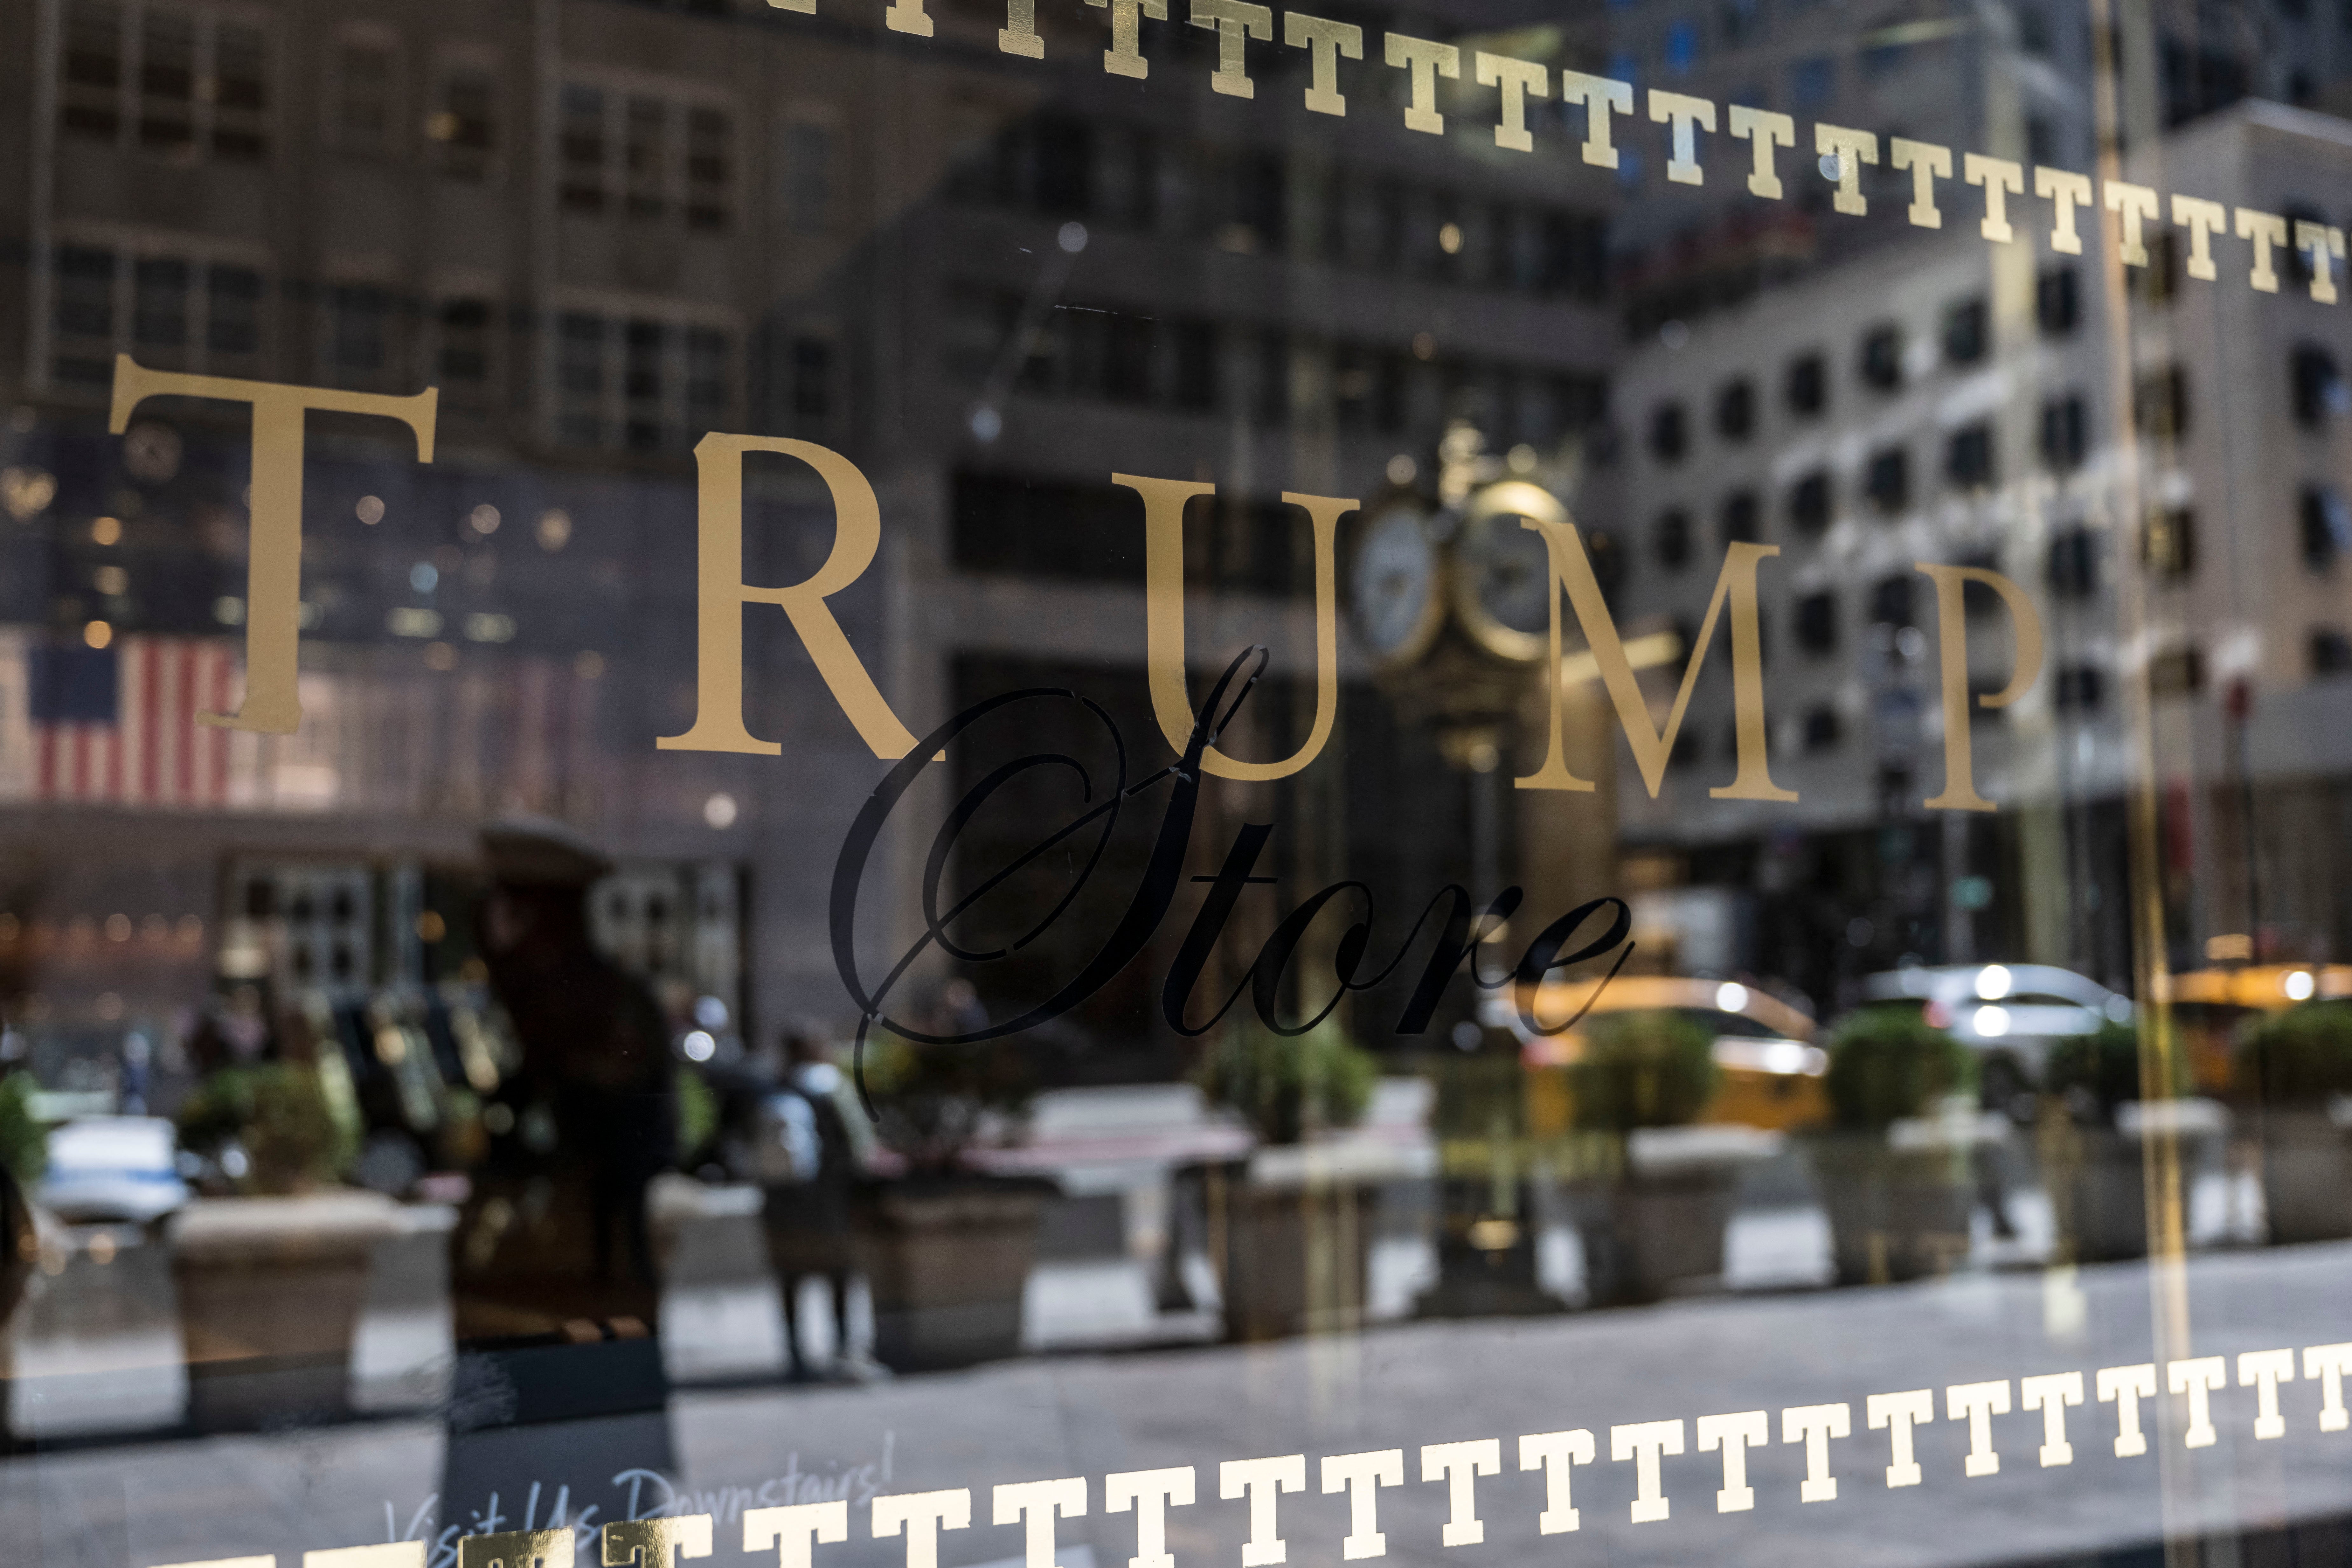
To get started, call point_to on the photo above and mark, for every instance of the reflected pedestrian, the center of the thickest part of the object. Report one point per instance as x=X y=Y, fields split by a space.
x=807 y=1165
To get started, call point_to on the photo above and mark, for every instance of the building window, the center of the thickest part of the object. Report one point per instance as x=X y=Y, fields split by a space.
x=1735 y=410
x=2065 y=435
x=83 y=314
x=1742 y=520
x=365 y=112
x=2081 y=688
x=2171 y=544
x=464 y=122
x=808 y=177
x=1817 y=623
x=1881 y=358
x=1808 y=502
x=199 y=87
x=357 y=333
x=709 y=168
x=1823 y=729
x=1808 y=386
x=2159 y=281
x=811 y=381
x=1672 y=540
x=1887 y=479
x=1969 y=457
x=2160 y=403
x=675 y=160
x=1196 y=376
x=2327 y=526
x=2073 y=563
x=706 y=380
x=2331 y=652
x=2057 y=302
x=2176 y=671
x=580 y=379
x=1891 y=599
x=170 y=311
x=643 y=383
x=2314 y=383
x=464 y=361
x=1669 y=433
x=581 y=188
x=1966 y=335
x=232 y=310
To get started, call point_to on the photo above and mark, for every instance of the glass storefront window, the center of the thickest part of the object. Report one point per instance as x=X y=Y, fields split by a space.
x=1172 y=783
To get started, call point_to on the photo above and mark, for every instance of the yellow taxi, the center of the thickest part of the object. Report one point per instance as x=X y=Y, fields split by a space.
x=1768 y=1070
x=2207 y=1005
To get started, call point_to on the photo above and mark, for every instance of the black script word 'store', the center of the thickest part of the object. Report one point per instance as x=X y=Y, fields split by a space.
x=1458 y=939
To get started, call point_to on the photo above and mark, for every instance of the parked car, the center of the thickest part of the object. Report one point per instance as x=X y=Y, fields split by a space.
x=2009 y=1014
x=113 y=1168
x=1768 y=1070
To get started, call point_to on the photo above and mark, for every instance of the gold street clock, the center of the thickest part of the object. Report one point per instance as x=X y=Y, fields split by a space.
x=1502 y=576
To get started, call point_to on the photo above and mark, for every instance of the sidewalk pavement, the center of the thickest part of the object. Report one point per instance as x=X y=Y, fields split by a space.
x=1403 y=1386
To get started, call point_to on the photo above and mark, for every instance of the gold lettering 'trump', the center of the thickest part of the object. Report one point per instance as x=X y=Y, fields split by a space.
x=721 y=595
x=1952 y=650
x=1163 y=601
x=1571 y=569
x=273 y=574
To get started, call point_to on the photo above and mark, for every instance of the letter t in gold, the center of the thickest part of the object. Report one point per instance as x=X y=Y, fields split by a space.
x=273 y=592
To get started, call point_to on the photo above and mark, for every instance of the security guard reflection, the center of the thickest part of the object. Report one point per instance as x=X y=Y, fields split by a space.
x=556 y=1237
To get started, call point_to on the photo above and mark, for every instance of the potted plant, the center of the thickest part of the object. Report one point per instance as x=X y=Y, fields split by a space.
x=1657 y=1192
x=1290 y=1225
x=271 y=1267
x=2296 y=1069
x=1895 y=1165
x=945 y=1246
x=2094 y=1139
x=23 y=1154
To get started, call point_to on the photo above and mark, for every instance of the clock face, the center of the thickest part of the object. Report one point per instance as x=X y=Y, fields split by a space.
x=1394 y=585
x=1503 y=591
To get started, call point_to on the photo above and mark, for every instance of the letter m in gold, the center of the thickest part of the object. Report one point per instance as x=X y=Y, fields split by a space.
x=1572 y=572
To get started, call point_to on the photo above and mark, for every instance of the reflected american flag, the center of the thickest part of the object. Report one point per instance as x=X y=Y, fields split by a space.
x=116 y=725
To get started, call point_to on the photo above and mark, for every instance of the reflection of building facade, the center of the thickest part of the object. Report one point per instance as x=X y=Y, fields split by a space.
x=602 y=231
x=1965 y=415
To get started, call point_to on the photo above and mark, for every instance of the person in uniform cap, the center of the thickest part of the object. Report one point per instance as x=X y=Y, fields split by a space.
x=558 y=1386
x=558 y=1236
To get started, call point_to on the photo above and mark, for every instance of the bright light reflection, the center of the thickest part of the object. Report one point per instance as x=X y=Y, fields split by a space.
x=1993 y=982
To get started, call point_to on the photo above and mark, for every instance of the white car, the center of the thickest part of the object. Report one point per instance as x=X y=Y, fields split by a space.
x=2009 y=1014
x=113 y=1168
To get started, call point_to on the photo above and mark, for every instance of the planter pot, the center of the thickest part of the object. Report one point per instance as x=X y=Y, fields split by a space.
x=1293 y=1241
x=270 y=1291
x=2098 y=1189
x=947 y=1260
x=2306 y=1176
x=2097 y=1176
x=1895 y=1211
x=1657 y=1229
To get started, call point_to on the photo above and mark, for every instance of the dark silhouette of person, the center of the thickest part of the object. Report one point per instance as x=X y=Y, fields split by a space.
x=808 y=1171
x=557 y=1234
x=559 y=1384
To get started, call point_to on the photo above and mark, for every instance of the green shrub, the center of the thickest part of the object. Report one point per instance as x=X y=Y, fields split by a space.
x=1887 y=1063
x=2094 y=1073
x=1285 y=1084
x=931 y=1100
x=1654 y=1068
x=278 y=1114
x=24 y=1140
x=2302 y=1057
